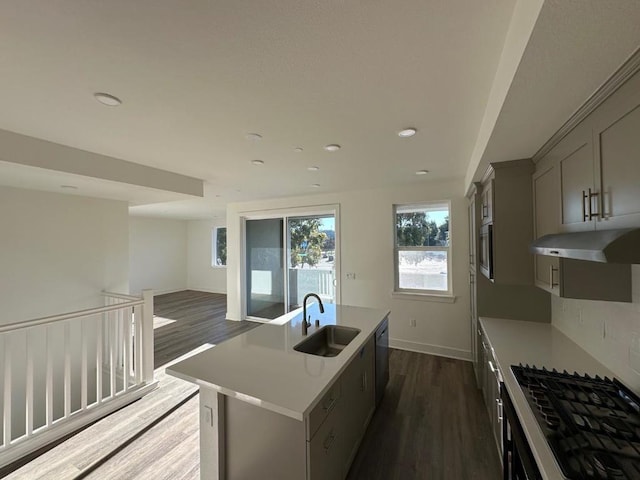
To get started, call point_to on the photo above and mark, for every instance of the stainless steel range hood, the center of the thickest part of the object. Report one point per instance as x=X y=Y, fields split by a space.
x=607 y=246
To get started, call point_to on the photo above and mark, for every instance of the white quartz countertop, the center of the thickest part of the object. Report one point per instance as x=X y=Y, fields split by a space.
x=540 y=344
x=262 y=368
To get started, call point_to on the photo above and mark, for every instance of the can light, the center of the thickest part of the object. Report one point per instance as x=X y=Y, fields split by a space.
x=107 y=99
x=407 y=132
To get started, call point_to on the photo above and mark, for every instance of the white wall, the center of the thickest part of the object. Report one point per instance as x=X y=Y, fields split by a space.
x=605 y=329
x=201 y=275
x=58 y=252
x=366 y=223
x=158 y=255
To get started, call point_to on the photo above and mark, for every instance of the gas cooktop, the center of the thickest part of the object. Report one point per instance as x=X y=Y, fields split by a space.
x=591 y=424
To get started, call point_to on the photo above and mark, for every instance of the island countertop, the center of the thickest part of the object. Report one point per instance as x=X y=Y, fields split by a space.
x=262 y=368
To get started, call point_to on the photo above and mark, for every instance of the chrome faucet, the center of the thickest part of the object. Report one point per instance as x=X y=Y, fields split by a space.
x=307 y=323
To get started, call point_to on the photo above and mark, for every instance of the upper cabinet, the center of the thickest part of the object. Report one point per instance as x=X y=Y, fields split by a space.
x=506 y=223
x=590 y=180
x=598 y=165
x=616 y=142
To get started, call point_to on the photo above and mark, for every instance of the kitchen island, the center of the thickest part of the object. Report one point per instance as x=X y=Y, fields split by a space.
x=269 y=411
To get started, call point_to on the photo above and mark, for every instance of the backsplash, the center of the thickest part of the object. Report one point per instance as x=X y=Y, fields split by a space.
x=607 y=330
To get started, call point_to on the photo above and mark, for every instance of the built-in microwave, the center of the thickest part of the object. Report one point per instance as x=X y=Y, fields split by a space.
x=486 y=250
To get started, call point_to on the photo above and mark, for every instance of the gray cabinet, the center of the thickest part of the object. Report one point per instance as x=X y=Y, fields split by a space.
x=491 y=381
x=508 y=225
x=327 y=452
x=546 y=192
x=598 y=165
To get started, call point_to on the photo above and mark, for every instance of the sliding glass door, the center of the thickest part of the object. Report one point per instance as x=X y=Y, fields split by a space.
x=286 y=258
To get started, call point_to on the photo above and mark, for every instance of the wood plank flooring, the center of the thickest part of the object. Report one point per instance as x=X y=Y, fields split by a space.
x=432 y=424
x=186 y=320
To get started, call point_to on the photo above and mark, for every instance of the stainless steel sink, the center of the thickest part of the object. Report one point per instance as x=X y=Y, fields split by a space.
x=329 y=341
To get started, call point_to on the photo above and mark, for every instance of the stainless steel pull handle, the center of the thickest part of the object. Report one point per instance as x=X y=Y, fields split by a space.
x=329 y=441
x=584 y=211
x=492 y=367
x=551 y=270
x=330 y=405
x=485 y=211
x=499 y=408
x=591 y=213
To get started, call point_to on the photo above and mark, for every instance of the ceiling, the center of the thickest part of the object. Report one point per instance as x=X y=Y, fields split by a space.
x=196 y=79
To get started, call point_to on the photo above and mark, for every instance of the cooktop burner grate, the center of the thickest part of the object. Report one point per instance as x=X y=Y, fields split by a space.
x=591 y=423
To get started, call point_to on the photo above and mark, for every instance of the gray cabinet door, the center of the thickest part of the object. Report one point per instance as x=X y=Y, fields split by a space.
x=616 y=133
x=546 y=195
x=575 y=163
x=327 y=447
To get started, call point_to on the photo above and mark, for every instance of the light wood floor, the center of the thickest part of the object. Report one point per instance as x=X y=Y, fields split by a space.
x=432 y=425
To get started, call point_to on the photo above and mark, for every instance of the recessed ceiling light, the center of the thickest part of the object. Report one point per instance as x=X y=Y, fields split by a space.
x=257 y=162
x=254 y=136
x=107 y=99
x=315 y=185
x=298 y=149
x=69 y=187
x=313 y=168
x=407 y=132
x=334 y=147
x=422 y=172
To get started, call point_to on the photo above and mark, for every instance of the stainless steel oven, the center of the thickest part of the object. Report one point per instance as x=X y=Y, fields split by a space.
x=486 y=250
x=517 y=459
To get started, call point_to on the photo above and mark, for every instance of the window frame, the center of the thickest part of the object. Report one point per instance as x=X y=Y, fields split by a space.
x=418 y=292
x=214 y=246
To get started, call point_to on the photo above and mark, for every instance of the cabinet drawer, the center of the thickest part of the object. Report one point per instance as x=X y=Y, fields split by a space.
x=325 y=406
x=326 y=451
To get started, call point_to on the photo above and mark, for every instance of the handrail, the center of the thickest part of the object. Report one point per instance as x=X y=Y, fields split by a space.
x=67 y=316
x=122 y=296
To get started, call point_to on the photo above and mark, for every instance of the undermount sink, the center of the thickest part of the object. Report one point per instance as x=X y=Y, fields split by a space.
x=329 y=341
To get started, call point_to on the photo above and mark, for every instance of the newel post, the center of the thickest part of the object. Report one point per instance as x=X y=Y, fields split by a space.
x=147 y=335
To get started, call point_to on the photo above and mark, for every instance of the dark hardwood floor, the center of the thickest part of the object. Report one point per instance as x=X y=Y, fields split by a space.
x=186 y=320
x=432 y=424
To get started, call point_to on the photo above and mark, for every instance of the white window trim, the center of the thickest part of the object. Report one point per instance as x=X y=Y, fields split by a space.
x=214 y=247
x=446 y=296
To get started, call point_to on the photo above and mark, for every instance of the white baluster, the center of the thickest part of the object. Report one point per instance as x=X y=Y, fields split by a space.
x=29 y=384
x=112 y=324
x=99 y=361
x=6 y=418
x=67 y=369
x=126 y=348
x=49 y=379
x=137 y=313
x=84 y=388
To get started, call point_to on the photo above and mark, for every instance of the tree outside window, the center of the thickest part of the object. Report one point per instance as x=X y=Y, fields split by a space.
x=219 y=249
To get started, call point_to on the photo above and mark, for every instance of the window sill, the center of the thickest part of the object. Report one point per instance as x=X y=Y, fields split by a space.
x=424 y=297
x=218 y=266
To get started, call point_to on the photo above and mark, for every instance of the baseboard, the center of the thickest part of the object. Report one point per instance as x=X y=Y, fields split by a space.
x=430 y=349
x=164 y=292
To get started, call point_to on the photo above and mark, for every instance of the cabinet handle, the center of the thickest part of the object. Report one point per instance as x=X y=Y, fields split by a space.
x=363 y=382
x=329 y=407
x=493 y=369
x=584 y=209
x=499 y=408
x=485 y=211
x=328 y=441
x=551 y=270
x=591 y=195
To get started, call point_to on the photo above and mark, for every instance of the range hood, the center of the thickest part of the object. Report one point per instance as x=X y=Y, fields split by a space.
x=606 y=246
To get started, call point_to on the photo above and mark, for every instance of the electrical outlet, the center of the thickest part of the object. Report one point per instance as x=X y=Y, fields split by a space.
x=351 y=276
x=412 y=322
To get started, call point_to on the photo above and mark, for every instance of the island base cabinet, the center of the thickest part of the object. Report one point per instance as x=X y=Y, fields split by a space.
x=327 y=449
x=262 y=444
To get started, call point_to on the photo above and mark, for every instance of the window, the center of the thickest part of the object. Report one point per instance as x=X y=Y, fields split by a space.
x=219 y=247
x=422 y=248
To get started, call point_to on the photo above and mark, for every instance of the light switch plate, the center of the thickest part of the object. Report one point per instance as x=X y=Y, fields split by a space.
x=208 y=416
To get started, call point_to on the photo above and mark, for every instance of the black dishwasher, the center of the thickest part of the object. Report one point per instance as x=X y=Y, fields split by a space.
x=382 y=359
